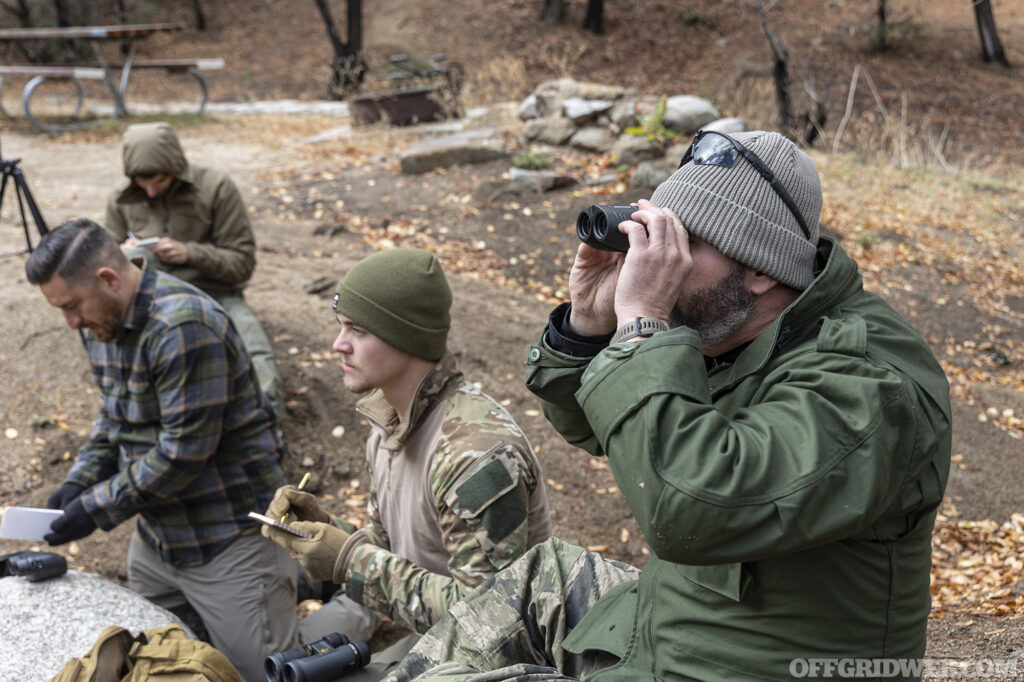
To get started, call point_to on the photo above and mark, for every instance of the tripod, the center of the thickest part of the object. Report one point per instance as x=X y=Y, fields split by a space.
x=21 y=190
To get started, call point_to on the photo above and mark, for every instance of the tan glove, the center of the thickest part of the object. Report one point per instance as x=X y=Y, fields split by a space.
x=317 y=554
x=298 y=504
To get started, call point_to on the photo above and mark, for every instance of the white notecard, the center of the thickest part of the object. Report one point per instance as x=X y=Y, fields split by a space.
x=27 y=523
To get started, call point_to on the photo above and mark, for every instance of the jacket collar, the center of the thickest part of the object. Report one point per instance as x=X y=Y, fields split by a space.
x=835 y=278
x=436 y=385
x=138 y=310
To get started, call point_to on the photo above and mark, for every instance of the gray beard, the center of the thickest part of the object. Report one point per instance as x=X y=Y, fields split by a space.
x=716 y=312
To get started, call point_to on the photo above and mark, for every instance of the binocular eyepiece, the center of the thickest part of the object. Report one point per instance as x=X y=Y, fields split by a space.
x=598 y=226
x=320 y=661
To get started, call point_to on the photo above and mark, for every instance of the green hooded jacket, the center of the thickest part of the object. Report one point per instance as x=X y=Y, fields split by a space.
x=788 y=498
x=202 y=208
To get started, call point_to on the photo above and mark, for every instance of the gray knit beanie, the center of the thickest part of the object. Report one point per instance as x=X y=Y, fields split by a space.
x=402 y=297
x=736 y=210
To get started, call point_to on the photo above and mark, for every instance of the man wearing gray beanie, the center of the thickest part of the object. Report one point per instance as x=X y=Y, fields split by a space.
x=781 y=435
x=456 y=490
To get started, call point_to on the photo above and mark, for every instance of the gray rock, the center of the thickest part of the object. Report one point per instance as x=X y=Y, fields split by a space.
x=44 y=624
x=593 y=139
x=650 y=174
x=531 y=108
x=550 y=130
x=580 y=110
x=632 y=149
x=674 y=154
x=688 y=113
x=474 y=146
x=728 y=125
x=551 y=94
x=606 y=179
x=542 y=181
x=624 y=113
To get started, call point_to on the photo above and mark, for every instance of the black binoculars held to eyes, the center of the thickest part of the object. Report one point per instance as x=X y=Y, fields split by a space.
x=598 y=226
x=320 y=661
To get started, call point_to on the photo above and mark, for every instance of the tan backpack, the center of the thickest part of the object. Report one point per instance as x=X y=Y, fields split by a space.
x=165 y=654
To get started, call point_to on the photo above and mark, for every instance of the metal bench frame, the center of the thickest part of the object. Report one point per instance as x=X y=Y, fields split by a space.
x=75 y=74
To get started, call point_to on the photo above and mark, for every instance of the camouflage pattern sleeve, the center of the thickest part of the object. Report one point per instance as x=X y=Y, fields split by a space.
x=374 y=528
x=481 y=481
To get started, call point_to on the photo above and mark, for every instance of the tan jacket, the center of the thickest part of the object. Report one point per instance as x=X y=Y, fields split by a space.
x=202 y=208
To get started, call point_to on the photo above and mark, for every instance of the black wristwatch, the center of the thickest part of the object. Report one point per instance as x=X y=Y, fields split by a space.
x=644 y=327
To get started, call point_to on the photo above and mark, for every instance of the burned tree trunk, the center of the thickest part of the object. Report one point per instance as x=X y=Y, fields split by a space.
x=22 y=10
x=991 y=47
x=881 y=32
x=780 y=72
x=200 y=15
x=348 y=68
x=63 y=15
x=553 y=12
x=594 y=21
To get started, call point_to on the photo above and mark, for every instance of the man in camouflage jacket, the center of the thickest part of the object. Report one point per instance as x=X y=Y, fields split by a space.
x=456 y=489
x=783 y=441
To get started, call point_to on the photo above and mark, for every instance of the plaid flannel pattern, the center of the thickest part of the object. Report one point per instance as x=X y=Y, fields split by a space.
x=184 y=438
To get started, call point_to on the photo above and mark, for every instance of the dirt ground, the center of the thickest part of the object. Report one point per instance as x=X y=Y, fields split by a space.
x=945 y=249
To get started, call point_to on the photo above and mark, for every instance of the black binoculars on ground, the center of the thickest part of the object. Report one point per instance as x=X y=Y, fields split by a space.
x=320 y=661
x=35 y=566
x=598 y=226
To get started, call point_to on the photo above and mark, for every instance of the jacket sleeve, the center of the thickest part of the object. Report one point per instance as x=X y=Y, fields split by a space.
x=482 y=501
x=555 y=378
x=115 y=222
x=97 y=459
x=230 y=254
x=830 y=445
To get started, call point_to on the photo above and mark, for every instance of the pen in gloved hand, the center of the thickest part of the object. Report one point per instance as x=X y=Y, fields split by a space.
x=302 y=484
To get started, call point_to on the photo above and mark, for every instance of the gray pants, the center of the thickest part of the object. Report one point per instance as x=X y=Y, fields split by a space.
x=340 y=614
x=245 y=596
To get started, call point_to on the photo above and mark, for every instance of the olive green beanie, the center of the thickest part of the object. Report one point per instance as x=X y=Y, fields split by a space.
x=402 y=297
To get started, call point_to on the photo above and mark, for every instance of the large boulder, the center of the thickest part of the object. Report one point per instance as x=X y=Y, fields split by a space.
x=688 y=113
x=580 y=111
x=540 y=181
x=553 y=130
x=649 y=174
x=593 y=139
x=632 y=149
x=550 y=95
x=473 y=146
x=728 y=125
x=43 y=624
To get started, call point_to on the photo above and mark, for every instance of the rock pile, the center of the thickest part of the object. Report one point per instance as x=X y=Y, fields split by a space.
x=609 y=119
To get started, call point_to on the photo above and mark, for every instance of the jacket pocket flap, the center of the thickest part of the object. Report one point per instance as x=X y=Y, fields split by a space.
x=608 y=625
x=728 y=580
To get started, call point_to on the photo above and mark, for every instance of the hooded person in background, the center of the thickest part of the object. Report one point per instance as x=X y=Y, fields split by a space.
x=781 y=435
x=205 y=236
x=456 y=491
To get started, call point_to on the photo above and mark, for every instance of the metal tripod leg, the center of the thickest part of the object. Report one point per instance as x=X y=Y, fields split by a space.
x=25 y=198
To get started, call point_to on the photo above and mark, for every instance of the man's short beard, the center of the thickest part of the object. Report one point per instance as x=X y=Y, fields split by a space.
x=716 y=312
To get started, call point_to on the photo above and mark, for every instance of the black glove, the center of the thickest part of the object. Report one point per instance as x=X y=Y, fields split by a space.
x=76 y=523
x=65 y=494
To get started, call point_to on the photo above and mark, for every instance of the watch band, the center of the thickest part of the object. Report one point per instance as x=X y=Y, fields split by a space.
x=644 y=327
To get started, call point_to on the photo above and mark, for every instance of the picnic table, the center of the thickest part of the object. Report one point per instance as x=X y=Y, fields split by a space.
x=128 y=34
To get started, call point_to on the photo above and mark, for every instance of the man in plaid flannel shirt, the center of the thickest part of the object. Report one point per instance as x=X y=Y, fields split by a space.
x=184 y=438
